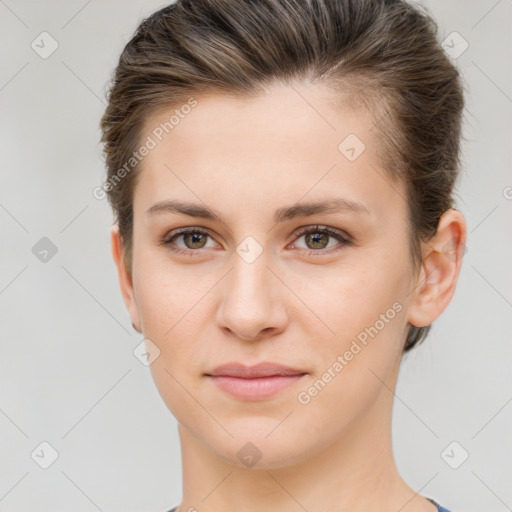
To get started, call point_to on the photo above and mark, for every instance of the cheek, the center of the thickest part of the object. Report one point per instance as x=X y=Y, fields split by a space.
x=364 y=311
x=171 y=303
x=350 y=368
x=347 y=298
x=165 y=294
x=335 y=400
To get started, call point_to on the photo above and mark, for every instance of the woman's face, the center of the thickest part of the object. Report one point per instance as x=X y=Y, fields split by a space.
x=253 y=288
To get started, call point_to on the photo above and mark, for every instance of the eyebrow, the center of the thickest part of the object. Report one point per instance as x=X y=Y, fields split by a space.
x=335 y=205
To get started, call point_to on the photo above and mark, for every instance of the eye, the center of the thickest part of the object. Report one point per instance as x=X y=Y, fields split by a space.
x=194 y=238
x=317 y=237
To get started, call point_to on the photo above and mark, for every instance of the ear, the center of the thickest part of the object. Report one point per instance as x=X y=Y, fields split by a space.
x=442 y=260
x=125 y=278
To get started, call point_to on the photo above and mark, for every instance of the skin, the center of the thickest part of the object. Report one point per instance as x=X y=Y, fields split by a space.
x=245 y=158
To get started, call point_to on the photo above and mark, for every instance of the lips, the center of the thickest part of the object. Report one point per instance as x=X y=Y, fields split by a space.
x=257 y=382
x=264 y=369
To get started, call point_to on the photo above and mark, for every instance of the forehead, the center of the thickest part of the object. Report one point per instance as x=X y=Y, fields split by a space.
x=239 y=154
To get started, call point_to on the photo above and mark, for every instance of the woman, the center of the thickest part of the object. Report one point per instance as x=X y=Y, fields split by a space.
x=281 y=174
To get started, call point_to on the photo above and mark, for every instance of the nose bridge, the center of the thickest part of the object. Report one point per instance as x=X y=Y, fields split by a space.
x=250 y=297
x=249 y=280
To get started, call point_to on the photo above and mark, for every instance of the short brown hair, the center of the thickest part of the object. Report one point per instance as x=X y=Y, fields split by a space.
x=384 y=53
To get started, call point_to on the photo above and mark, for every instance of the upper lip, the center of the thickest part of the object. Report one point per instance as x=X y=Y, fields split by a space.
x=265 y=369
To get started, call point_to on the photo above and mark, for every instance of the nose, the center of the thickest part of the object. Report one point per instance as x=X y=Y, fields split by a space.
x=253 y=303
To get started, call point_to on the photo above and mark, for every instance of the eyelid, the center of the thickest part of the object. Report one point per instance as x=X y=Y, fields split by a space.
x=183 y=231
x=326 y=229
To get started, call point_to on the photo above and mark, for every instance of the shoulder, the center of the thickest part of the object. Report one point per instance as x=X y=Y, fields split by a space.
x=439 y=507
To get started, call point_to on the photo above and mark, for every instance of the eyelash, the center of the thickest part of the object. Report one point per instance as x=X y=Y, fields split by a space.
x=345 y=240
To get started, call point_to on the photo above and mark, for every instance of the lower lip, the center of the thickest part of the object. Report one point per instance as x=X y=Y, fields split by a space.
x=255 y=389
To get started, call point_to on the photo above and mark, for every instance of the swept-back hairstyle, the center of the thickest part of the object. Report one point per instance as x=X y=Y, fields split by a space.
x=382 y=54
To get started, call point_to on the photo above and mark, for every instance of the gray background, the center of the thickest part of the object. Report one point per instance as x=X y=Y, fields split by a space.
x=67 y=372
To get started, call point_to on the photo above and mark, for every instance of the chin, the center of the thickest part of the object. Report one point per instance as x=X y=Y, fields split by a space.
x=259 y=444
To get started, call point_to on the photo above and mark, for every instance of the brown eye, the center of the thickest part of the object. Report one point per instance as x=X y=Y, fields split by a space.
x=317 y=239
x=194 y=240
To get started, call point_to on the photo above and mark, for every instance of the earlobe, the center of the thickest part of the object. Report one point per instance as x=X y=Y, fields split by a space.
x=440 y=269
x=125 y=278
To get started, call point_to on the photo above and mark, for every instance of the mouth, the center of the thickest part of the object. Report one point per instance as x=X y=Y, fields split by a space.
x=254 y=382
